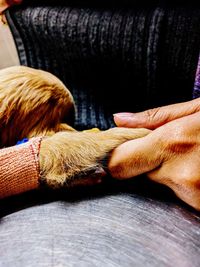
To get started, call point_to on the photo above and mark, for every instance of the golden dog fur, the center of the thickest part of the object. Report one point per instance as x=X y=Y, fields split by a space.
x=36 y=103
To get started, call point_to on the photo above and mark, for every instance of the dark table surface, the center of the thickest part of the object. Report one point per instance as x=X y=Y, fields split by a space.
x=118 y=224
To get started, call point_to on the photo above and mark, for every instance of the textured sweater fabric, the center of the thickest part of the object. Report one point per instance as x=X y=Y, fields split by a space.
x=19 y=168
x=111 y=59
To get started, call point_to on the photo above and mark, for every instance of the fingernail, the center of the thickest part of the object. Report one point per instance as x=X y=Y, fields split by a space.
x=123 y=114
x=127 y=119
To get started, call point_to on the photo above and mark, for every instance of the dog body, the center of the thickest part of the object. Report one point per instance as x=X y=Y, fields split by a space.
x=36 y=103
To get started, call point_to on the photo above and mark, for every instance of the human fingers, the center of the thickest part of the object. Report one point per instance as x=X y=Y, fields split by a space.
x=180 y=169
x=135 y=157
x=153 y=118
x=144 y=154
x=169 y=155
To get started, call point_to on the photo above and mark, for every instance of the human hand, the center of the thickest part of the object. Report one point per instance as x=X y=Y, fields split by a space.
x=153 y=118
x=170 y=155
x=4 y=4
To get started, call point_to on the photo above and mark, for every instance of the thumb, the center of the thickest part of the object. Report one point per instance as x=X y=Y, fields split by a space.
x=135 y=157
x=156 y=117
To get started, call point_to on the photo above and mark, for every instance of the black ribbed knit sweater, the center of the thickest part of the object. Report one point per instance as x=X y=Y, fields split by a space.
x=112 y=59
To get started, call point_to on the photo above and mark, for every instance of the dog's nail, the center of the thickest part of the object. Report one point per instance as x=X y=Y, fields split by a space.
x=100 y=172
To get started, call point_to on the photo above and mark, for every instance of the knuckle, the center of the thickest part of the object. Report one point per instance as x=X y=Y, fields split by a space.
x=152 y=114
x=156 y=116
x=196 y=104
x=179 y=146
x=177 y=141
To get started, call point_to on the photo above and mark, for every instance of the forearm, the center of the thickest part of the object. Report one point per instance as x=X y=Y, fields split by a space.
x=19 y=168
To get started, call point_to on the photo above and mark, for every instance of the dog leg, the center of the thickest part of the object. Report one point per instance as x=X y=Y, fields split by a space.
x=62 y=127
x=67 y=157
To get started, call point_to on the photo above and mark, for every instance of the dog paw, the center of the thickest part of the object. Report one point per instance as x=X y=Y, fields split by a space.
x=71 y=158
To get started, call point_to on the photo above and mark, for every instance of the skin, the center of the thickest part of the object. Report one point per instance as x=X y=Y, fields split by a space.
x=169 y=155
x=36 y=103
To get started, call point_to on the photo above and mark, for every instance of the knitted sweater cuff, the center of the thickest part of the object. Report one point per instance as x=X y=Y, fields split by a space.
x=19 y=168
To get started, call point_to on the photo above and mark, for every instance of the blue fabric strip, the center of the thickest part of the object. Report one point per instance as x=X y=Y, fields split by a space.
x=22 y=141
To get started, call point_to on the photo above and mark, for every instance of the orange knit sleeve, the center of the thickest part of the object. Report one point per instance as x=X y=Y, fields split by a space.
x=19 y=168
